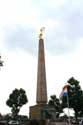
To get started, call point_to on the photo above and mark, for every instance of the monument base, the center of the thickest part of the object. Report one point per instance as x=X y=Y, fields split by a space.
x=36 y=111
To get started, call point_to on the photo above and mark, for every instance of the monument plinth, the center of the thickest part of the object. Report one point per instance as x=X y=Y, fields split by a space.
x=41 y=95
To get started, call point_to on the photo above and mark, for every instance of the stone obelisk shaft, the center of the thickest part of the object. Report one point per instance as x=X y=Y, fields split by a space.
x=41 y=97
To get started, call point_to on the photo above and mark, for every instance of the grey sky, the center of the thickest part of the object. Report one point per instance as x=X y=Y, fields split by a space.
x=20 y=21
x=60 y=39
x=20 y=38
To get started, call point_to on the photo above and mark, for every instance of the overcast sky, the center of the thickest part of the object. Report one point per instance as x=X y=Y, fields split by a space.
x=20 y=21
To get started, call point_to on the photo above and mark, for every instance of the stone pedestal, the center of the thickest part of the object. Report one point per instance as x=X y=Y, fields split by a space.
x=36 y=111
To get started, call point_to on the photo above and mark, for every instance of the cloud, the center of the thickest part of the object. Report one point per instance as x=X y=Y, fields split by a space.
x=64 y=37
x=18 y=37
x=63 y=24
x=17 y=12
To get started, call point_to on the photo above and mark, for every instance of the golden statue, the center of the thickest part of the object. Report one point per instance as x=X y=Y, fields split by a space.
x=41 y=32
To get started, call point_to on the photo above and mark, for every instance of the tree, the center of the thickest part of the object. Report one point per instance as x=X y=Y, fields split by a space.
x=1 y=62
x=16 y=100
x=54 y=102
x=75 y=95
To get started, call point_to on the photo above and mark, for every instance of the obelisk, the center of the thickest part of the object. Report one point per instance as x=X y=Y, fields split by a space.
x=41 y=95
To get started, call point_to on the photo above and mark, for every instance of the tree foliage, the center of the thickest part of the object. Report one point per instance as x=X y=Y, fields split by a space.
x=1 y=62
x=54 y=102
x=16 y=100
x=75 y=95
